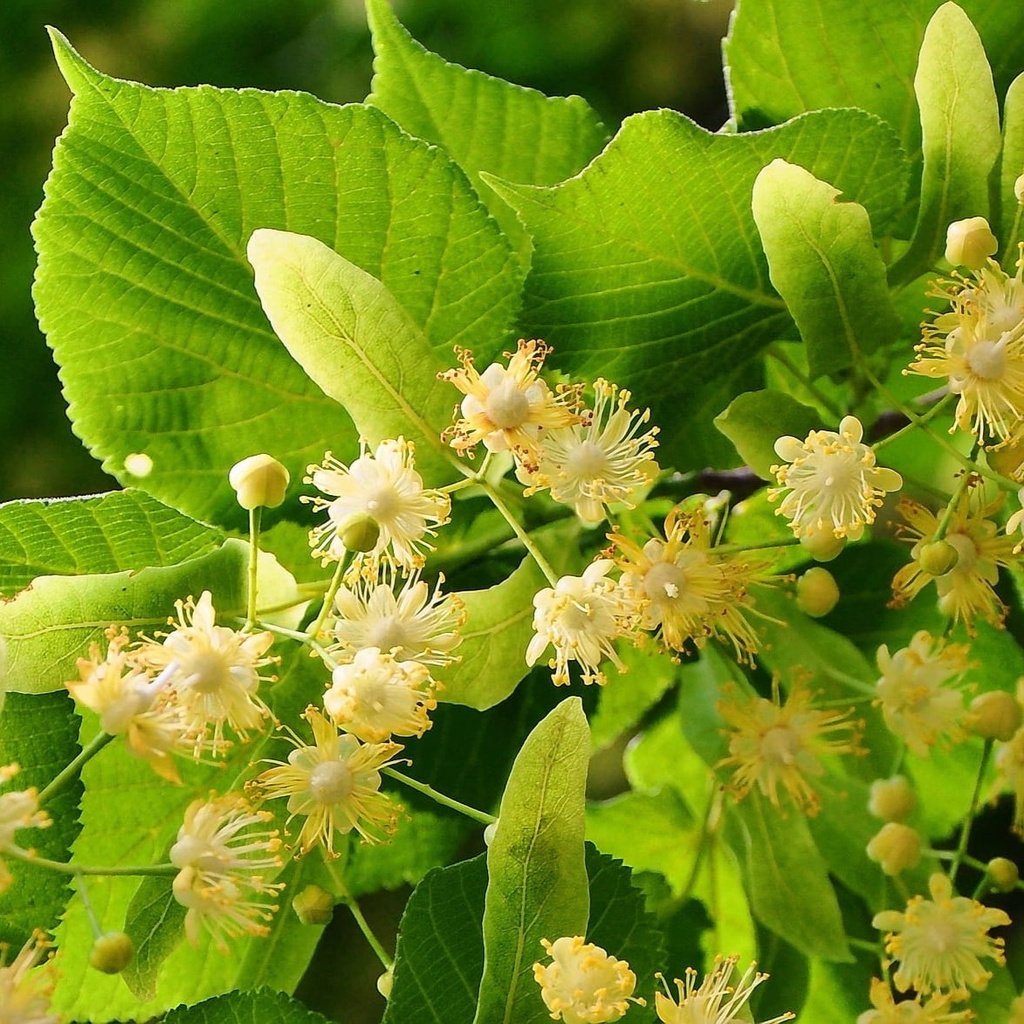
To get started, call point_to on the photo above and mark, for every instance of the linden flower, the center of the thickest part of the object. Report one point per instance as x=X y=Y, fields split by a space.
x=714 y=1001
x=910 y=1011
x=376 y=696
x=213 y=673
x=132 y=703
x=602 y=460
x=966 y=591
x=506 y=408
x=385 y=487
x=832 y=481
x=25 y=992
x=220 y=860
x=334 y=785
x=938 y=942
x=18 y=809
x=583 y=984
x=414 y=624
x=918 y=694
x=581 y=617
x=687 y=592
x=773 y=745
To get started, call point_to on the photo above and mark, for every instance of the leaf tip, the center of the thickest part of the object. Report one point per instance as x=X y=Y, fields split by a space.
x=76 y=70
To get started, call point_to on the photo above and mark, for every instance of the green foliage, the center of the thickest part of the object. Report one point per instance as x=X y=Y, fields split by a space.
x=242 y=1007
x=756 y=419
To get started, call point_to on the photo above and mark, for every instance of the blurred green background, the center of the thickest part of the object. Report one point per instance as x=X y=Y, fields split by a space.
x=623 y=56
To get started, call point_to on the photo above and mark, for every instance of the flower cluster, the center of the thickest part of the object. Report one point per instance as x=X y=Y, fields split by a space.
x=18 y=809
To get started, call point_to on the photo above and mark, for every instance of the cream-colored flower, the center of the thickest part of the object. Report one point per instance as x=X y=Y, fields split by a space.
x=507 y=408
x=939 y=943
x=831 y=481
x=715 y=1000
x=386 y=487
x=334 y=785
x=582 y=617
x=213 y=672
x=375 y=696
x=25 y=986
x=919 y=691
x=911 y=1011
x=583 y=984
x=221 y=861
x=18 y=809
x=413 y=624
x=773 y=745
x=687 y=591
x=603 y=460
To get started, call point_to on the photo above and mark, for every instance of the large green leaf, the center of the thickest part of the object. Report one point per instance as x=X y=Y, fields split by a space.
x=107 y=533
x=481 y=121
x=146 y=297
x=1011 y=167
x=648 y=269
x=345 y=329
x=537 y=878
x=257 y=1007
x=50 y=625
x=755 y=420
x=823 y=262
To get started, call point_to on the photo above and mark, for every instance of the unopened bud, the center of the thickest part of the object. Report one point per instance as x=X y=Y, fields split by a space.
x=822 y=544
x=259 y=481
x=891 y=799
x=816 y=592
x=314 y=905
x=386 y=982
x=489 y=833
x=1003 y=874
x=360 y=532
x=938 y=557
x=970 y=242
x=995 y=715
x=1018 y=189
x=112 y=952
x=895 y=847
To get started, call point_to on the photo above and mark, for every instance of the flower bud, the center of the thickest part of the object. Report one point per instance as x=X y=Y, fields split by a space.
x=995 y=715
x=895 y=847
x=822 y=544
x=112 y=952
x=360 y=532
x=1002 y=874
x=1018 y=189
x=937 y=557
x=259 y=480
x=386 y=982
x=314 y=905
x=970 y=242
x=816 y=592
x=489 y=833
x=891 y=799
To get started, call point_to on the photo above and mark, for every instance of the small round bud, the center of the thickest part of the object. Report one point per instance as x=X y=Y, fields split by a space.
x=489 y=833
x=259 y=481
x=822 y=545
x=895 y=847
x=938 y=557
x=816 y=592
x=386 y=982
x=112 y=952
x=970 y=242
x=1018 y=189
x=891 y=799
x=360 y=532
x=995 y=715
x=1003 y=874
x=314 y=905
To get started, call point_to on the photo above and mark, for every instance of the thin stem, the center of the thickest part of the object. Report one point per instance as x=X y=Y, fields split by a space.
x=446 y=801
x=332 y=590
x=83 y=895
x=925 y=417
x=255 y=519
x=30 y=857
x=965 y=832
x=345 y=897
x=777 y=353
x=707 y=835
x=729 y=549
x=71 y=772
x=949 y=511
x=525 y=539
x=860 y=685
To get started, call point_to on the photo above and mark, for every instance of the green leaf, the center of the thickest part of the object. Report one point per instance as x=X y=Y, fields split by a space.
x=103 y=534
x=482 y=122
x=628 y=695
x=155 y=921
x=345 y=329
x=142 y=265
x=257 y=1007
x=756 y=419
x=1011 y=167
x=648 y=269
x=537 y=879
x=960 y=138
x=40 y=734
x=823 y=262
x=48 y=626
